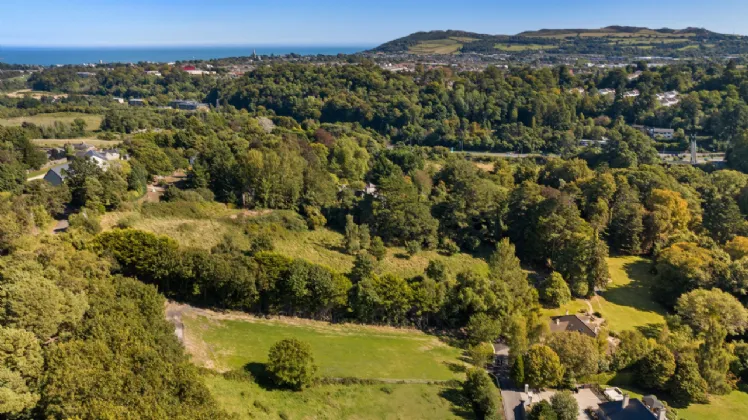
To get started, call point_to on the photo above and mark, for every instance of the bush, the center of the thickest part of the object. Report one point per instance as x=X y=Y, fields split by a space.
x=412 y=247
x=449 y=246
x=291 y=364
x=479 y=391
x=377 y=248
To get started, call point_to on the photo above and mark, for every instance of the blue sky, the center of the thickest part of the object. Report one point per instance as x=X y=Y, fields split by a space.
x=332 y=22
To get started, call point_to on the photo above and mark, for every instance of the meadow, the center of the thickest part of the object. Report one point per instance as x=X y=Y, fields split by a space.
x=429 y=369
x=93 y=121
x=340 y=351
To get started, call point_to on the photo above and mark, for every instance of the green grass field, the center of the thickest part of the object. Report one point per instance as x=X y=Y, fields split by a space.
x=92 y=121
x=628 y=302
x=391 y=402
x=339 y=350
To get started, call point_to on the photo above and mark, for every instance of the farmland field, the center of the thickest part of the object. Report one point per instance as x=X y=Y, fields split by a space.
x=441 y=46
x=92 y=121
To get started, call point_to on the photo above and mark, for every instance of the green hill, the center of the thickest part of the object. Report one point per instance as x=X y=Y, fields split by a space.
x=611 y=40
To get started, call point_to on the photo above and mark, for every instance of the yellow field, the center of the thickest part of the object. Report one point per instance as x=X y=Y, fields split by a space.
x=93 y=121
x=441 y=46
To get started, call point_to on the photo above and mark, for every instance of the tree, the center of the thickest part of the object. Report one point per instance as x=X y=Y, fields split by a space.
x=482 y=328
x=699 y=307
x=555 y=291
x=565 y=405
x=542 y=411
x=291 y=364
x=479 y=390
x=737 y=247
x=687 y=385
x=632 y=348
x=576 y=351
x=714 y=359
x=377 y=248
x=518 y=371
x=481 y=354
x=543 y=368
x=21 y=365
x=626 y=224
x=656 y=368
x=363 y=267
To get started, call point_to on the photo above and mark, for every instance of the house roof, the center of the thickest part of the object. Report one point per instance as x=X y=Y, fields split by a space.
x=572 y=323
x=635 y=410
x=95 y=154
x=652 y=402
x=58 y=170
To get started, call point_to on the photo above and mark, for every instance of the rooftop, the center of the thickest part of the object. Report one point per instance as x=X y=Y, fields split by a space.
x=579 y=323
x=634 y=410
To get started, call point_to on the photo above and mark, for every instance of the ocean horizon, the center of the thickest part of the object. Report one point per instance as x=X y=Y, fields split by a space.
x=50 y=56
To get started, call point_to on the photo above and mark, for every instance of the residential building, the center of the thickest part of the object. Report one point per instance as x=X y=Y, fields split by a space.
x=606 y=92
x=631 y=94
x=586 y=142
x=119 y=100
x=584 y=324
x=633 y=76
x=56 y=176
x=188 y=105
x=577 y=90
x=632 y=409
x=153 y=73
x=136 y=102
x=665 y=133
x=85 y=74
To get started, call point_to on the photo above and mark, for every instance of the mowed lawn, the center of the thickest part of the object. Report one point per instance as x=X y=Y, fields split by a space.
x=391 y=401
x=93 y=121
x=323 y=246
x=627 y=303
x=339 y=350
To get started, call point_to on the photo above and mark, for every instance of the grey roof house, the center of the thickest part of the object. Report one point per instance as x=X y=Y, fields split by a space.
x=56 y=175
x=632 y=409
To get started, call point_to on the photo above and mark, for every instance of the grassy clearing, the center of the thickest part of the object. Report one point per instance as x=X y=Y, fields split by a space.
x=339 y=350
x=628 y=302
x=204 y=234
x=37 y=94
x=392 y=402
x=91 y=141
x=523 y=47
x=323 y=247
x=92 y=121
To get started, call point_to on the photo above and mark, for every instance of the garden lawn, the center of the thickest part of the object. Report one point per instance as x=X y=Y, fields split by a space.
x=628 y=302
x=392 y=401
x=339 y=350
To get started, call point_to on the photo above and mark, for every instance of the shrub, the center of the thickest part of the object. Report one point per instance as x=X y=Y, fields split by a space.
x=413 y=247
x=481 y=354
x=291 y=364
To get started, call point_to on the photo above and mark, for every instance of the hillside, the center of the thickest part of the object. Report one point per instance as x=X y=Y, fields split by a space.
x=611 y=40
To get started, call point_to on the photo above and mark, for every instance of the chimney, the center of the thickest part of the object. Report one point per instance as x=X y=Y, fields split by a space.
x=556 y=320
x=661 y=414
x=625 y=401
x=527 y=389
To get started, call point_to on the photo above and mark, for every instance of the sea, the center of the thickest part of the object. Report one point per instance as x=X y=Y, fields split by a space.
x=50 y=56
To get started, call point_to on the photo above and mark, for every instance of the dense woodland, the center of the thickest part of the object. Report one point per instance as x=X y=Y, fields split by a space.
x=82 y=311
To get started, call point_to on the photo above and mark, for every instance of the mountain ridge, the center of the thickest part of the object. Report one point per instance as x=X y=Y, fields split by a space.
x=614 y=39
